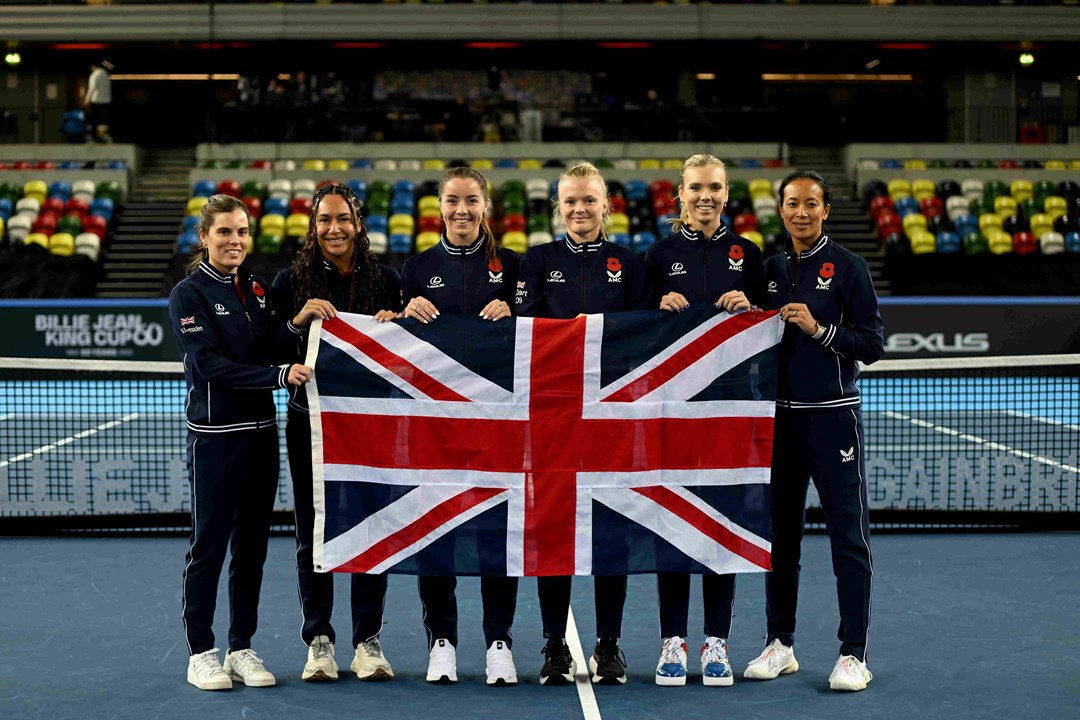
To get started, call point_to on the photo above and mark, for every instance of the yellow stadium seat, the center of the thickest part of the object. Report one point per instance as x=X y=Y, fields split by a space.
x=402 y=224
x=428 y=206
x=1000 y=242
x=272 y=225
x=1055 y=165
x=62 y=244
x=915 y=164
x=913 y=221
x=922 y=188
x=37 y=239
x=755 y=237
x=36 y=189
x=314 y=165
x=337 y=165
x=988 y=222
x=426 y=240
x=760 y=186
x=649 y=164
x=922 y=241
x=672 y=164
x=1005 y=205
x=1074 y=164
x=516 y=241
x=1021 y=190
x=899 y=186
x=530 y=164
x=195 y=204
x=296 y=225
x=1041 y=223
x=620 y=222
x=434 y=164
x=1056 y=205
x=482 y=164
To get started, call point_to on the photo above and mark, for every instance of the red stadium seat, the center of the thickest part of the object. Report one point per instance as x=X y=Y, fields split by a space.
x=1024 y=243
x=301 y=205
x=77 y=205
x=95 y=224
x=931 y=206
x=229 y=187
x=254 y=207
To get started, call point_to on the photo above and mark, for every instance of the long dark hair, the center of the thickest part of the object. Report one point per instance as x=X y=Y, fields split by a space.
x=309 y=280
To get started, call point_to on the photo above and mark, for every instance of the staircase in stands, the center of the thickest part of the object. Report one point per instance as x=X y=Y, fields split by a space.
x=144 y=238
x=848 y=223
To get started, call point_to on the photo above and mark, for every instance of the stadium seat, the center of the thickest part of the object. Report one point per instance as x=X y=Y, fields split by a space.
x=946 y=189
x=109 y=189
x=955 y=206
x=400 y=243
x=1051 y=243
x=425 y=240
x=402 y=224
x=285 y=164
x=931 y=206
x=1072 y=242
x=88 y=244
x=1021 y=189
x=253 y=189
x=760 y=187
x=922 y=240
x=70 y=224
x=428 y=205
x=254 y=207
x=1055 y=165
x=337 y=165
x=914 y=164
x=229 y=187
x=36 y=189
x=303 y=188
x=273 y=225
x=1024 y=243
x=1041 y=223
x=60 y=189
x=377 y=242
x=268 y=243
x=539 y=238
x=972 y=188
x=377 y=223
x=314 y=164
x=62 y=243
x=989 y=221
x=1013 y=224
x=1055 y=205
x=280 y=188
x=948 y=242
x=906 y=205
x=36 y=239
x=430 y=223
x=195 y=205
x=296 y=225
x=276 y=206
x=203 y=189
x=975 y=243
x=28 y=206
x=261 y=165
x=433 y=164
x=1005 y=205
x=999 y=241
x=300 y=205
x=922 y=188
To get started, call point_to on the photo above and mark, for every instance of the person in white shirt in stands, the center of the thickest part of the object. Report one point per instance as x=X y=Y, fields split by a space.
x=98 y=102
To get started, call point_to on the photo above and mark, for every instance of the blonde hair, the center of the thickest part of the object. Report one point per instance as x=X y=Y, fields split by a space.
x=694 y=161
x=583 y=171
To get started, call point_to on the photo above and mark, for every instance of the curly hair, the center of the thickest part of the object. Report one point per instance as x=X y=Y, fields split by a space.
x=309 y=280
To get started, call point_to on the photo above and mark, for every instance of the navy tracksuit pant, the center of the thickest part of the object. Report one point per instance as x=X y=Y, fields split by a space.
x=368 y=592
x=233 y=478
x=717 y=596
x=439 y=605
x=609 y=598
x=828 y=447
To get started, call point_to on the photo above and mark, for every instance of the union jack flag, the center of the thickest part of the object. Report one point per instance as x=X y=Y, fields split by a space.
x=609 y=444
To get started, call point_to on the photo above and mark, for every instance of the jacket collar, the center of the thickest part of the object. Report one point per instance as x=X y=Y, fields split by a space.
x=590 y=247
x=467 y=250
x=210 y=271
x=817 y=247
x=697 y=235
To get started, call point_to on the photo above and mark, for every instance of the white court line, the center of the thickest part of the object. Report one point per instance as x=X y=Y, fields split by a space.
x=583 y=679
x=982 y=441
x=69 y=439
x=1050 y=421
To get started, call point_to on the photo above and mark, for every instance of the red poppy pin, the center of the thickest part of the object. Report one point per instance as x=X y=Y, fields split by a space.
x=613 y=264
x=826 y=270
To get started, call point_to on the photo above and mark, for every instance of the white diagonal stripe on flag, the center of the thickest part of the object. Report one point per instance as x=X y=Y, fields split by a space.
x=395 y=516
x=687 y=538
x=674 y=478
x=429 y=359
x=700 y=374
x=646 y=409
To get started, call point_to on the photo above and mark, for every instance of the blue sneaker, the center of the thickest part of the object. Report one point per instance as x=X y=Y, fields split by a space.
x=715 y=668
x=671 y=670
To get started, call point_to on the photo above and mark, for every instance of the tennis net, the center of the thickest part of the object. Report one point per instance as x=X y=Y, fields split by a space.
x=89 y=444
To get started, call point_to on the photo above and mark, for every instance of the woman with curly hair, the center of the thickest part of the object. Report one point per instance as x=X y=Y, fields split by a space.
x=334 y=271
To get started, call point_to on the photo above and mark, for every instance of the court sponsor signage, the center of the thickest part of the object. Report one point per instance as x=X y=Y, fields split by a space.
x=972 y=327
x=88 y=330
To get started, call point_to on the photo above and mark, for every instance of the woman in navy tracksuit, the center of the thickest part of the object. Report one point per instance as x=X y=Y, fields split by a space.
x=464 y=274
x=702 y=262
x=334 y=271
x=826 y=296
x=224 y=328
x=582 y=273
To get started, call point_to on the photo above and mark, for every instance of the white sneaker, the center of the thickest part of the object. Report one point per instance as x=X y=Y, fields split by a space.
x=849 y=674
x=671 y=668
x=320 y=661
x=204 y=671
x=369 y=663
x=245 y=665
x=775 y=660
x=500 y=665
x=715 y=666
x=442 y=663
